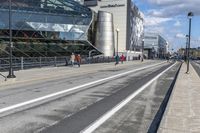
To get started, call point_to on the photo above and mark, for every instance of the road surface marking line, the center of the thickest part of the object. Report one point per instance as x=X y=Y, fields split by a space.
x=111 y=112
x=2 y=110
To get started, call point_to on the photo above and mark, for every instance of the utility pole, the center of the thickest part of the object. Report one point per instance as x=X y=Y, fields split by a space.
x=11 y=72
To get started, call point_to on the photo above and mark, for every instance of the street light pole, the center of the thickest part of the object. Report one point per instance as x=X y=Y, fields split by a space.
x=142 y=56
x=186 y=46
x=90 y=52
x=190 y=14
x=117 y=30
x=11 y=72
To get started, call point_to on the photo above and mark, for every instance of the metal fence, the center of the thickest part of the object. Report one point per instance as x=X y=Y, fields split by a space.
x=20 y=63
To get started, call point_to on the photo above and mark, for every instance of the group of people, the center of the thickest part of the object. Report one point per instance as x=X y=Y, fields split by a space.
x=75 y=59
x=122 y=58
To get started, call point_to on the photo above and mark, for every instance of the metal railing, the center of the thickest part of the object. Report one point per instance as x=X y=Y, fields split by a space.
x=5 y=78
x=31 y=62
x=20 y=63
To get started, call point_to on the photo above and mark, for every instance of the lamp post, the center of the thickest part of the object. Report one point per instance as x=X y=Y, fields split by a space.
x=90 y=52
x=117 y=30
x=11 y=72
x=190 y=14
x=186 y=46
x=142 y=57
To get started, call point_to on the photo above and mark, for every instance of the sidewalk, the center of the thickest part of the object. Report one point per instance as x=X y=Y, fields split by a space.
x=183 y=110
x=38 y=74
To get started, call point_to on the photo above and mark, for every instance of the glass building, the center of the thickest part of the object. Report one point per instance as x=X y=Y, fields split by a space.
x=45 y=28
x=155 y=46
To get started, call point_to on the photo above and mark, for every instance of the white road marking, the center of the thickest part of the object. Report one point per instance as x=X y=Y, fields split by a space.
x=2 y=110
x=110 y=113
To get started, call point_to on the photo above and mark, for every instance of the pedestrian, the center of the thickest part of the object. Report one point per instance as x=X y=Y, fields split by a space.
x=116 y=60
x=139 y=57
x=122 y=58
x=78 y=60
x=142 y=58
x=72 y=59
x=66 y=61
x=167 y=57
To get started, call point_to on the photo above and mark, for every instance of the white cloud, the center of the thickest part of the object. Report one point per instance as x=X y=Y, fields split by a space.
x=177 y=24
x=167 y=2
x=152 y=21
x=155 y=29
x=180 y=35
x=168 y=17
x=169 y=8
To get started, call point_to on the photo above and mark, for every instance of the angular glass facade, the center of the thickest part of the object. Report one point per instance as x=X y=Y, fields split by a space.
x=45 y=27
x=136 y=28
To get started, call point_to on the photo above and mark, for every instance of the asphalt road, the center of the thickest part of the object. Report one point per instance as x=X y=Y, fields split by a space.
x=73 y=111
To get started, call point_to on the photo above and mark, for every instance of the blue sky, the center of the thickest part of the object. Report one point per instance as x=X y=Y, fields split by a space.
x=169 y=18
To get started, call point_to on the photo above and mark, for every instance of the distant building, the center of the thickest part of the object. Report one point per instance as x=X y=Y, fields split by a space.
x=155 y=46
x=194 y=53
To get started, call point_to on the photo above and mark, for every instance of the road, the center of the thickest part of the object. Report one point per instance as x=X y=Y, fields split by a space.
x=77 y=103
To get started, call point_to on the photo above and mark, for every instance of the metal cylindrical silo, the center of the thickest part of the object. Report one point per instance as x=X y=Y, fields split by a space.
x=105 y=33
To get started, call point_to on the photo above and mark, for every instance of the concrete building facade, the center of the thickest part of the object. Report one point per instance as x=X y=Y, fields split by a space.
x=128 y=19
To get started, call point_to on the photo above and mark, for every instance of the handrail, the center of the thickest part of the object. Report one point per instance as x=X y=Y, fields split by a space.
x=3 y=76
x=20 y=63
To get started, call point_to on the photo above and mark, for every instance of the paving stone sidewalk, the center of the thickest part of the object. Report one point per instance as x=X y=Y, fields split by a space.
x=38 y=74
x=183 y=110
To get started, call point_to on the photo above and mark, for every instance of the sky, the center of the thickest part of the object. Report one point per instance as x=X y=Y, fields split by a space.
x=169 y=18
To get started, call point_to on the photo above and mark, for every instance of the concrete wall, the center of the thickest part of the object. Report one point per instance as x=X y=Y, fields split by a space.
x=119 y=10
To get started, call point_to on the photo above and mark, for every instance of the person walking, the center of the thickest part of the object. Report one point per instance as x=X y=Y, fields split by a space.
x=122 y=58
x=139 y=56
x=72 y=59
x=66 y=61
x=167 y=57
x=142 y=58
x=116 y=60
x=78 y=59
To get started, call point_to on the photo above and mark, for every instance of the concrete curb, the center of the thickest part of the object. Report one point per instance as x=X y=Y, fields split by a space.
x=159 y=115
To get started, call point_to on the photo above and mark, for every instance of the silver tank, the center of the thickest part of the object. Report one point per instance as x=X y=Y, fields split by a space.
x=105 y=33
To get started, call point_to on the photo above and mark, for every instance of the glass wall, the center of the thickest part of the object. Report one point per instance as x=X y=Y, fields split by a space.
x=45 y=21
x=136 y=29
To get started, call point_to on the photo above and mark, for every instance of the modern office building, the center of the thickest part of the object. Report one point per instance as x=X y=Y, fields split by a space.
x=155 y=46
x=127 y=19
x=45 y=28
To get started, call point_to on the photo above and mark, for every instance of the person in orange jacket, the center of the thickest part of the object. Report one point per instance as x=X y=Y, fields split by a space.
x=78 y=59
